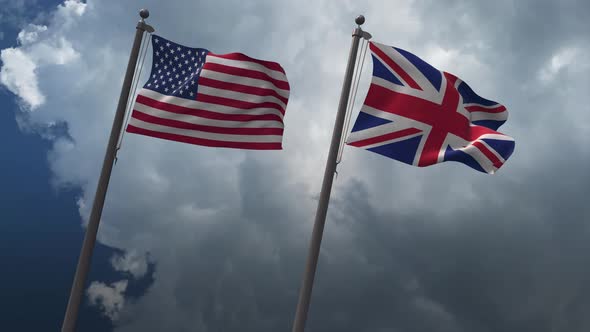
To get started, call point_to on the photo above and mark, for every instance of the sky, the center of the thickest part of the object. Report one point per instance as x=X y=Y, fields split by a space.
x=202 y=239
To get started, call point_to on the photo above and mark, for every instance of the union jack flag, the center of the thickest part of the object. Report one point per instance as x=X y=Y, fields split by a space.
x=421 y=116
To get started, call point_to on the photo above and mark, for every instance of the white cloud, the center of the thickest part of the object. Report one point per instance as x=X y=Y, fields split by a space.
x=560 y=60
x=109 y=299
x=131 y=262
x=18 y=75
x=39 y=49
x=71 y=8
x=30 y=34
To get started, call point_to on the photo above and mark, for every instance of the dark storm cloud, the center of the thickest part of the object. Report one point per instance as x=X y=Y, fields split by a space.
x=242 y=275
x=520 y=34
x=516 y=264
x=513 y=258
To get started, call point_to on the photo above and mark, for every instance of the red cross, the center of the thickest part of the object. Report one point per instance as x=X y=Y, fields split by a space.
x=443 y=118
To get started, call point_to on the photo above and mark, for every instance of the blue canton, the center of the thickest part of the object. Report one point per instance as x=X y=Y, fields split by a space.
x=175 y=68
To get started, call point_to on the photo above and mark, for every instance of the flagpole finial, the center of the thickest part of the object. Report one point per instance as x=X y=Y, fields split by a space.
x=144 y=13
x=360 y=20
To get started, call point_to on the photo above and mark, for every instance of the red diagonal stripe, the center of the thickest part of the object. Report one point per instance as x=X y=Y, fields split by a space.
x=386 y=137
x=498 y=109
x=423 y=111
x=385 y=58
x=489 y=154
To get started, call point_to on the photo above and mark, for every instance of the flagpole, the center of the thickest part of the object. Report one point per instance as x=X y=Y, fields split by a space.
x=77 y=291
x=320 y=218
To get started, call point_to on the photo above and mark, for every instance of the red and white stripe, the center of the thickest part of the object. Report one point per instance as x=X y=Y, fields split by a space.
x=240 y=103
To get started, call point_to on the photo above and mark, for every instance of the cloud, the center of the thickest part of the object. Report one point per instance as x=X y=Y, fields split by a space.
x=38 y=49
x=109 y=299
x=405 y=249
x=131 y=262
x=567 y=58
x=30 y=34
x=18 y=75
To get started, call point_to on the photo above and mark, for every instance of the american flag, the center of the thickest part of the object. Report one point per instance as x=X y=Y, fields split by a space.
x=218 y=100
x=421 y=116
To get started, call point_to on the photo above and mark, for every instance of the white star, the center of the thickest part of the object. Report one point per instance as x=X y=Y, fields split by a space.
x=179 y=82
x=161 y=48
x=161 y=60
x=171 y=51
x=177 y=75
x=155 y=81
x=166 y=54
x=161 y=77
x=165 y=67
x=183 y=72
x=157 y=86
x=191 y=93
x=154 y=76
x=149 y=84
x=193 y=59
x=182 y=55
x=167 y=73
x=178 y=48
x=156 y=40
x=167 y=44
x=173 y=86
x=174 y=70
x=166 y=89
x=175 y=58
x=186 y=61
x=157 y=53
x=179 y=65
x=170 y=79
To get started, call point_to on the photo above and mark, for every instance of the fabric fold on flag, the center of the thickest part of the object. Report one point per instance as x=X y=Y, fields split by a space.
x=421 y=116
x=218 y=100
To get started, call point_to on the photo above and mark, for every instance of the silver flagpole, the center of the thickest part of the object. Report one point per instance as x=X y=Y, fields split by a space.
x=77 y=291
x=320 y=218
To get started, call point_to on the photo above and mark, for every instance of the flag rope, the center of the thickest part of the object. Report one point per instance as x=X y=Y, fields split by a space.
x=355 y=86
x=135 y=82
